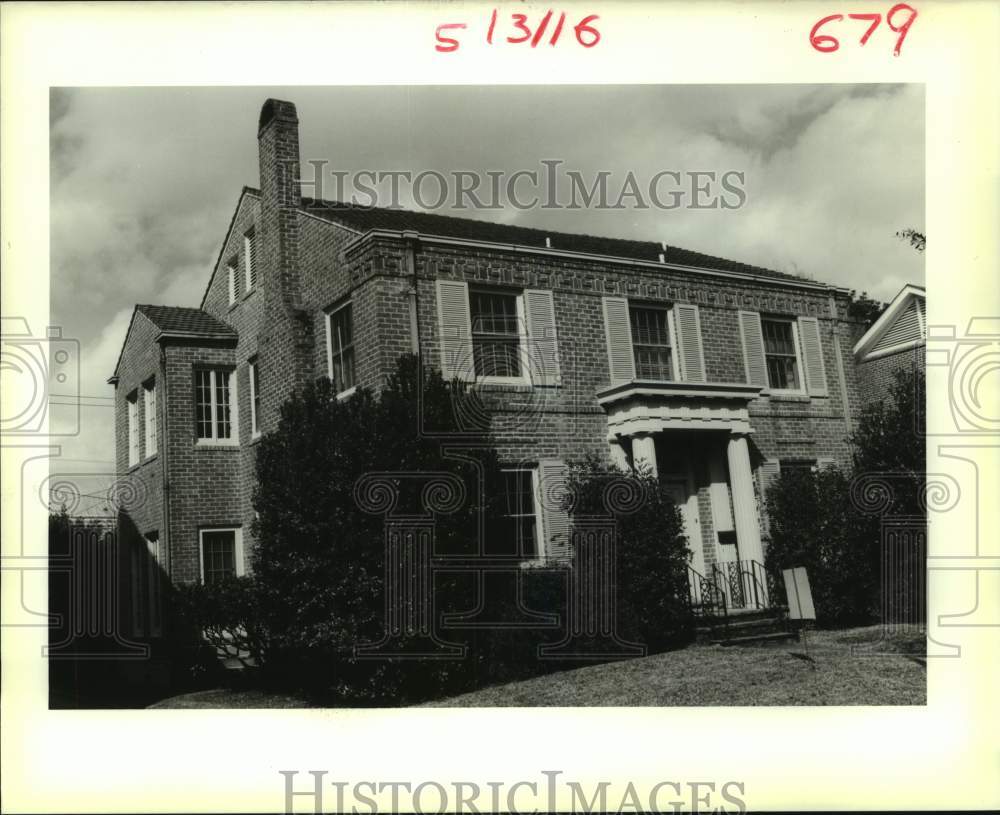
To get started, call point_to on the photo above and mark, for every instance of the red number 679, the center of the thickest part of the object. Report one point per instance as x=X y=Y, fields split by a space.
x=827 y=42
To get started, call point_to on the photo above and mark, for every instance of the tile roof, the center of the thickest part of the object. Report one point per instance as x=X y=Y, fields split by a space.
x=364 y=219
x=182 y=320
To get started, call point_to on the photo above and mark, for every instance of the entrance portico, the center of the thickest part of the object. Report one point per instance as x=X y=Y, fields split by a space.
x=694 y=438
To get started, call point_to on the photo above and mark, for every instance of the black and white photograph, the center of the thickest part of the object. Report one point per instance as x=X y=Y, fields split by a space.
x=472 y=398
x=455 y=407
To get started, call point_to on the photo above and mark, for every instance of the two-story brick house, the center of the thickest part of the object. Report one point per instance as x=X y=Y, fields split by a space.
x=712 y=373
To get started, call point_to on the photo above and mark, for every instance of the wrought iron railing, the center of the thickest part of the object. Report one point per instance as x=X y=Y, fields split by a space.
x=744 y=582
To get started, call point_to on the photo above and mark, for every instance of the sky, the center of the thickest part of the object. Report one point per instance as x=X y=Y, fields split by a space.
x=144 y=181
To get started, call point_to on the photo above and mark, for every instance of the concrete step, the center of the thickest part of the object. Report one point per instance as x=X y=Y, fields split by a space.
x=756 y=639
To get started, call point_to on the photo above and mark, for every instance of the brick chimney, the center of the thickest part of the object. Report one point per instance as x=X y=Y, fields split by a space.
x=278 y=141
x=285 y=338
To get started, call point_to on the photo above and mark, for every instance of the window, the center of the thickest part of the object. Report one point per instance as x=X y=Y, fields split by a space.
x=651 y=343
x=146 y=570
x=221 y=554
x=520 y=512
x=781 y=354
x=250 y=257
x=149 y=415
x=496 y=334
x=340 y=347
x=232 y=269
x=254 y=398
x=213 y=415
x=133 y=428
x=797 y=467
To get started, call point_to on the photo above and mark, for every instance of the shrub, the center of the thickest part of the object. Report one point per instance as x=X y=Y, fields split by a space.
x=815 y=524
x=651 y=550
x=319 y=561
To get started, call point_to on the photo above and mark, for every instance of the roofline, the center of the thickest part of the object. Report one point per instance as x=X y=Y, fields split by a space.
x=113 y=379
x=566 y=253
x=253 y=191
x=193 y=335
x=164 y=335
x=875 y=331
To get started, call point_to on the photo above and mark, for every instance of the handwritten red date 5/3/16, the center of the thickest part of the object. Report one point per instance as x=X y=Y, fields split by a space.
x=518 y=28
x=899 y=19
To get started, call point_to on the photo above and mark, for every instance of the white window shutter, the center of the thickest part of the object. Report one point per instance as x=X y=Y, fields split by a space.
x=767 y=474
x=619 y=335
x=690 y=354
x=543 y=345
x=552 y=475
x=812 y=356
x=455 y=330
x=231 y=272
x=752 y=340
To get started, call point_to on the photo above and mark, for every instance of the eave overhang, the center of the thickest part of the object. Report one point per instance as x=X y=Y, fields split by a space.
x=648 y=406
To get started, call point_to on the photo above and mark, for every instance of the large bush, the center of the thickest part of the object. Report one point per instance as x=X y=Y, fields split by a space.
x=319 y=562
x=821 y=520
x=815 y=524
x=651 y=554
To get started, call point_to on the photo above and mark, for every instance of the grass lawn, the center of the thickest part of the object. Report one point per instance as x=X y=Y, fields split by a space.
x=739 y=675
x=778 y=674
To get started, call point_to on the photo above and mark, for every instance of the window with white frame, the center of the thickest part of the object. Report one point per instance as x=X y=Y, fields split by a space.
x=146 y=579
x=253 y=369
x=214 y=418
x=340 y=347
x=652 y=345
x=250 y=258
x=221 y=554
x=149 y=415
x=497 y=333
x=521 y=511
x=781 y=352
x=133 y=428
x=233 y=271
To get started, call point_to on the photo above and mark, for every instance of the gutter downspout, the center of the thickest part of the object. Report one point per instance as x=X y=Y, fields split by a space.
x=841 y=377
x=411 y=268
x=161 y=405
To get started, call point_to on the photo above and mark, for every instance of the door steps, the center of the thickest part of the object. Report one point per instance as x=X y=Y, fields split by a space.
x=745 y=627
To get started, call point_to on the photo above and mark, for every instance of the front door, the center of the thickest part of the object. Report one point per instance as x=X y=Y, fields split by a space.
x=686 y=499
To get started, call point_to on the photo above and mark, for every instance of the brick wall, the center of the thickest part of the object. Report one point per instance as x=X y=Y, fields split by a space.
x=876 y=376
x=140 y=362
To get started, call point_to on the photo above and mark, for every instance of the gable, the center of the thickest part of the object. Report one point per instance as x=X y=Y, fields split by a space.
x=245 y=212
x=907 y=328
x=903 y=325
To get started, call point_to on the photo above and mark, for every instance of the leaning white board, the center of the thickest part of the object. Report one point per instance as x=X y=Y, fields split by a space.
x=800 y=601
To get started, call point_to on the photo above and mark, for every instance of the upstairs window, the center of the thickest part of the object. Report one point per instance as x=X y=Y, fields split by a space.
x=232 y=270
x=254 y=398
x=221 y=555
x=651 y=344
x=496 y=334
x=781 y=354
x=213 y=414
x=133 y=428
x=340 y=347
x=250 y=258
x=521 y=511
x=149 y=415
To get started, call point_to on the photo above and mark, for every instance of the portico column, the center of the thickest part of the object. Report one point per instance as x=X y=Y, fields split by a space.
x=619 y=458
x=644 y=452
x=744 y=506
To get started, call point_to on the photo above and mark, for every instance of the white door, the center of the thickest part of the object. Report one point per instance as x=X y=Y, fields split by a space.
x=687 y=500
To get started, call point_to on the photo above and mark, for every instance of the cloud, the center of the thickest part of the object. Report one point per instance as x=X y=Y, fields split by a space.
x=144 y=180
